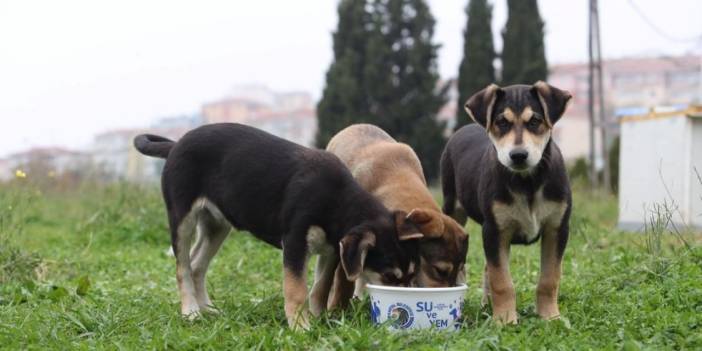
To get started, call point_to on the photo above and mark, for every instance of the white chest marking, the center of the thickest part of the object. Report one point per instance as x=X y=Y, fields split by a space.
x=518 y=218
x=317 y=241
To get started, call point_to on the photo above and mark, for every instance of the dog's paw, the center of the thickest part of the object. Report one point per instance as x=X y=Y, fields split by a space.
x=505 y=318
x=548 y=311
x=211 y=309
x=300 y=322
x=190 y=313
x=192 y=316
x=550 y=317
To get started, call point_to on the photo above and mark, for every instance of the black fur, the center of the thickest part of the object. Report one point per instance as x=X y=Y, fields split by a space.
x=153 y=145
x=274 y=189
x=472 y=175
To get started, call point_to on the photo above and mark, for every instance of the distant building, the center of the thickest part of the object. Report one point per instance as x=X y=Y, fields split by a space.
x=185 y=122
x=629 y=82
x=113 y=154
x=115 y=157
x=6 y=171
x=288 y=115
x=50 y=161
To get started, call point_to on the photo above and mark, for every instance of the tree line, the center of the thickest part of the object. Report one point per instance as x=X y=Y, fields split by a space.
x=385 y=69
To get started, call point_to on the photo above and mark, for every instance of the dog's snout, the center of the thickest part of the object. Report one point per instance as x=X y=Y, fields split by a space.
x=518 y=156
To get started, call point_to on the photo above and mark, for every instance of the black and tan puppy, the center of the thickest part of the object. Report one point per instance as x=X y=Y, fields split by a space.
x=301 y=200
x=507 y=174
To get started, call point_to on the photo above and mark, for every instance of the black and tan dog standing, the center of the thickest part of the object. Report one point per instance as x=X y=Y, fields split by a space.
x=301 y=200
x=507 y=174
x=392 y=172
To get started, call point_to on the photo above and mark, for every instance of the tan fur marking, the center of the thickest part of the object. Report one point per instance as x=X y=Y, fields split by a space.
x=295 y=294
x=444 y=265
x=549 y=278
x=541 y=89
x=490 y=90
x=430 y=222
x=504 y=298
x=509 y=115
x=520 y=218
x=493 y=88
x=188 y=302
x=504 y=142
x=526 y=114
x=536 y=141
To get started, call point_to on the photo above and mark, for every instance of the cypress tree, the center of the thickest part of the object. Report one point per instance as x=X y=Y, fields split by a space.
x=476 y=70
x=523 y=55
x=385 y=72
x=343 y=99
x=402 y=77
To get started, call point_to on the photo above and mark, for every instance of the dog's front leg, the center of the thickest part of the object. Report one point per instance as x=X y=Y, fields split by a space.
x=295 y=283
x=342 y=290
x=504 y=299
x=553 y=245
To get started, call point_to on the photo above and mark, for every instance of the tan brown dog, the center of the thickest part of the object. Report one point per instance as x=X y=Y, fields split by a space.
x=392 y=172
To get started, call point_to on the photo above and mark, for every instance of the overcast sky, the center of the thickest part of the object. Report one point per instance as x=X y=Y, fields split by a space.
x=70 y=69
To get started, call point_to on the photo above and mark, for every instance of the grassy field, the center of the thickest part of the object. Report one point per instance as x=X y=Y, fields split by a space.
x=88 y=269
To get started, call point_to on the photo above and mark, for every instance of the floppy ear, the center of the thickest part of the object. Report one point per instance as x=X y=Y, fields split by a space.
x=406 y=230
x=479 y=106
x=430 y=223
x=553 y=101
x=353 y=249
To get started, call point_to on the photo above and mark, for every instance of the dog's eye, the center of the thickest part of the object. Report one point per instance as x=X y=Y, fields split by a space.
x=534 y=121
x=441 y=272
x=502 y=123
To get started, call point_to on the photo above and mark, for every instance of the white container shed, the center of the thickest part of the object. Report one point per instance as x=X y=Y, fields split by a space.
x=660 y=164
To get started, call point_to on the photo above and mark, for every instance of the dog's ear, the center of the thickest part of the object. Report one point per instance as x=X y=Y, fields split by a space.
x=353 y=249
x=553 y=101
x=430 y=223
x=406 y=229
x=479 y=106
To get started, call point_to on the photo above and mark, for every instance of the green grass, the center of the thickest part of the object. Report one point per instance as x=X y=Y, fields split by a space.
x=88 y=269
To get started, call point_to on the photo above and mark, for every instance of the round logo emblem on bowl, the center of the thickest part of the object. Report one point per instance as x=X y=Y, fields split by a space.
x=401 y=315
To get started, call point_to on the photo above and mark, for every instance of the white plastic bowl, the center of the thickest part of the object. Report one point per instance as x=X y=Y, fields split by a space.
x=416 y=308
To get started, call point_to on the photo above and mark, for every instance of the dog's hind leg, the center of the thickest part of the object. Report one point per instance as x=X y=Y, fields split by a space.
x=448 y=188
x=181 y=246
x=212 y=230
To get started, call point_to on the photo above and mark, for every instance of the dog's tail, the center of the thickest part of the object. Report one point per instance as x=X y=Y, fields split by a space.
x=153 y=145
x=448 y=183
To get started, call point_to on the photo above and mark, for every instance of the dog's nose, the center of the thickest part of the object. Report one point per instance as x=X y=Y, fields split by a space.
x=518 y=156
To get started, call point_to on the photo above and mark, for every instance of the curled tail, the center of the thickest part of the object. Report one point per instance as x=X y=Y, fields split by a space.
x=153 y=145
